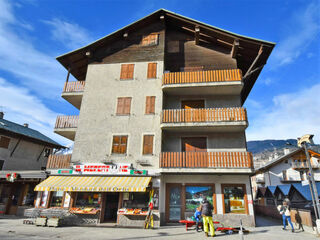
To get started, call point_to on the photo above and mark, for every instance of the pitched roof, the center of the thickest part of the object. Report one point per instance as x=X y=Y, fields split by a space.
x=305 y=190
x=285 y=188
x=272 y=189
x=14 y=129
x=250 y=56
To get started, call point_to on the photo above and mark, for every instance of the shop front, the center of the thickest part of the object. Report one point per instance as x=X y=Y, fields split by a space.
x=81 y=199
x=17 y=191
x=230 y=196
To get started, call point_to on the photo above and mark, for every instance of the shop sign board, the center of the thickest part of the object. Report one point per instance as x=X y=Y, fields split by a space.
x=65 y=171
x=138 y=172
x=104 y=169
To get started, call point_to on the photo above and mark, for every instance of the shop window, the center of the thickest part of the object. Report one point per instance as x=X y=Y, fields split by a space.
x=152 y=70
x=127 y=71
x=135 y=200
x=119 y=144
x=56 y=200
x=123 y=106
x=88 y=200
x=1 y=164
x=4 y=142
x=30 y=196
x=147 y=144
x=150 y=104
x=4 y=194
x=234 y=199
x=195 y=194
x=150 y=40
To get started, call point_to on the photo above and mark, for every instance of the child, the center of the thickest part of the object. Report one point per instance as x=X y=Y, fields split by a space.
x=197 y=216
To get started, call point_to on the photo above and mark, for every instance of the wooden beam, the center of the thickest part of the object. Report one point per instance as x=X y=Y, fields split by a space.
x=15 y=147
x=197 y=34
x=235 y=48
x=255 y=60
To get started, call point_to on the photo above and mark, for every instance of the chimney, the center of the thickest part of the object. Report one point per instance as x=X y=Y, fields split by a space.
x=286 y=151
x=1 y=115
x=26 y=125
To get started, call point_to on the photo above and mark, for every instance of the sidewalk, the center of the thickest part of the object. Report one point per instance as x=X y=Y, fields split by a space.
x=12 y=228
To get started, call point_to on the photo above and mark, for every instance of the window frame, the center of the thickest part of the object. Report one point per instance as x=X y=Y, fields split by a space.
x=123 y=112
x=143 y=144
x=112 y=144
x=244 y=197
x=150 y=108
x=125 y=71
x=4 y=142
x=154 y=67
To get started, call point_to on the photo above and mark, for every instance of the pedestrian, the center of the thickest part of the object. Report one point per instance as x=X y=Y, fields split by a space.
x=284 y=210
x=206 y=212
x=197 y=216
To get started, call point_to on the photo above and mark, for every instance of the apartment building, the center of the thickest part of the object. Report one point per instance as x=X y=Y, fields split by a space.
x=160 y=110
x=23 y=158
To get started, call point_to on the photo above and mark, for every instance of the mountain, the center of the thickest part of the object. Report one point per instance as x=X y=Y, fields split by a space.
x=270 y=145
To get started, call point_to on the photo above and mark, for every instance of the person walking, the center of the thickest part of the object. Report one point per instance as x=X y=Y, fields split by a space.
x=284 y=210
x=206 y=212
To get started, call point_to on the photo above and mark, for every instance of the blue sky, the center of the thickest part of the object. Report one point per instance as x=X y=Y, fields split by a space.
x=284 y=102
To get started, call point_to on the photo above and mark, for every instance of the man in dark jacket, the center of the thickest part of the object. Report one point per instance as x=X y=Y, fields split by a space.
x=206 y=212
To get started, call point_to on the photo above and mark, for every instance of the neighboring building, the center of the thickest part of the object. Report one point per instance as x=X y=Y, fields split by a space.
x=163 y=98
x=23 y=158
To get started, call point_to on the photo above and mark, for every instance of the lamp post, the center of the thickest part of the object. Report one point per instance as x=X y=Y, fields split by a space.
x=302 y=142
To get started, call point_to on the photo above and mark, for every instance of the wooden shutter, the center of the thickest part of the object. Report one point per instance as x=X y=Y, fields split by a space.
x=127 y=105
x=127 y=71
x=152 y=70
x=4 y=142
x=150 y=104
x=123 y=144
x=123 y=105
x=148 y=144
x=119 y=144
x=149 y=40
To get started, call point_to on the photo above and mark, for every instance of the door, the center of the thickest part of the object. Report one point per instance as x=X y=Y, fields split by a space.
x=189 y=104
x=14 y=199
x=173 y=202
x=111 y=207
x=194 y=144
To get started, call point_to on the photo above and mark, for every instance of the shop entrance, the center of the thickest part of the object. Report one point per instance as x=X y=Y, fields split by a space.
x=111 y=207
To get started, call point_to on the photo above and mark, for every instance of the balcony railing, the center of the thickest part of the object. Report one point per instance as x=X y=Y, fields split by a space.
x=202 y=76
x=204 y=115
x=303 y=165
x=206 y=160
x=76 y=86
x=58 y=161
x=67 y=121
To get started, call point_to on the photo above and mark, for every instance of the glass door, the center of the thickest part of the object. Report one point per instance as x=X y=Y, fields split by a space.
x=175 y=205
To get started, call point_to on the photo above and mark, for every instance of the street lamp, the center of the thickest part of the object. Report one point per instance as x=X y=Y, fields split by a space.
x=302 y=142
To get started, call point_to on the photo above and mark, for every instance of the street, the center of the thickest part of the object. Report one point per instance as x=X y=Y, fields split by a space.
x=15 y=229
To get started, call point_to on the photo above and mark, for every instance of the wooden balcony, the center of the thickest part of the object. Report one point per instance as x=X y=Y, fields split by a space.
x=66 y=126
x=303 y=165
x=73 y=91
x=205 y=119
x=58 y=161
x=212 y=160
x=205 y=82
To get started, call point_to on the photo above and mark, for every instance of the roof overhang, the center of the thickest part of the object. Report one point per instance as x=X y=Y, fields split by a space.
x=251 y=53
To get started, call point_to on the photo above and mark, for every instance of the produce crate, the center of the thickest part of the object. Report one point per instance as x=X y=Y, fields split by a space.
x=41 y=221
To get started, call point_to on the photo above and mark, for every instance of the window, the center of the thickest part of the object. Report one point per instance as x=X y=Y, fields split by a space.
x=30 y=196
x=88 y=199
x=152 y=70
x=119 y=144
x=234 y=199
x=127 y=71
x=195 y=194
x=150 y=102
x=56 y=200
x=147 y=144
x=150 y=40
x=136 y=200
x=1 y=164
x=4 y=142
x=123 y=105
